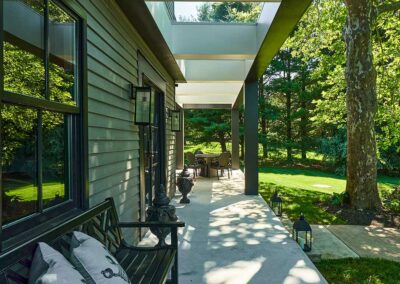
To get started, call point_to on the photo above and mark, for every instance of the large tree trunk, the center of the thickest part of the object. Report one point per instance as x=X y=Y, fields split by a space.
x=303 y=133
x=264 y=135
x=222 y=141
x=262 y=106
x=289 y=111
x=361 y=107
x=303 y=120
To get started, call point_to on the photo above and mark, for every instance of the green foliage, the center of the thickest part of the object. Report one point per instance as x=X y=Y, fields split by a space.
x=339 y=199
x=391 y=199
x=360 y=271
x=205 y=126
x=229 y=12
x=318 y=43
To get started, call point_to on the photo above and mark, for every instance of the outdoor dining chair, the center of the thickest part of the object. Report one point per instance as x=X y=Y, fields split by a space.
x=222 y=163
x=193 y=164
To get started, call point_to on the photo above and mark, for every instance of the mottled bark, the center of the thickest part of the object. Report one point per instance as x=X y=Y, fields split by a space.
x=263 y=120
x=222 y=141
x=264 y=134
x=303 y=119
x=361 y=107
x=289 y=111
x=303 y=133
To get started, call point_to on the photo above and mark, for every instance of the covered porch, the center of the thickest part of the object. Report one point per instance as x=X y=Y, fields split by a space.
x=230 y=237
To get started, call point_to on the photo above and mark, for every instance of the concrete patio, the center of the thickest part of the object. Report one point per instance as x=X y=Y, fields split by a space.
x=235 y=238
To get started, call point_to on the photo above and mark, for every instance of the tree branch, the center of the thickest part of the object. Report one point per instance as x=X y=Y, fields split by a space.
x=387 y=8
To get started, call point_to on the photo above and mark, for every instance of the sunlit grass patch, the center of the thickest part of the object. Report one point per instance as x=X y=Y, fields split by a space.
x=360 y=271
x=297 y=201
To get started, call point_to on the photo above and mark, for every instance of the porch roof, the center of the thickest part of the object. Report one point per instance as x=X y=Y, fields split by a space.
x=211 y=61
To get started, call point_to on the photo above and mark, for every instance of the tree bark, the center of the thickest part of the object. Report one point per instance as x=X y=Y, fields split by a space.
x=361 y=107
x=289 y=110
x=222 y=141
x=303 y=119
x=262 y=106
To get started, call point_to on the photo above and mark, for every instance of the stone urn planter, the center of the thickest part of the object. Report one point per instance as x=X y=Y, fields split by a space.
x=161 y=211
x=185 y=184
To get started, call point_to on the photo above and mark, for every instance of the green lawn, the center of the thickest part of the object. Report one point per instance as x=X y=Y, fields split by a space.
x=297 y=201
x=208 y=148
x=28 y=192
x=360 y=271
x=304 y=189
x=273 y=154
x=315 y=180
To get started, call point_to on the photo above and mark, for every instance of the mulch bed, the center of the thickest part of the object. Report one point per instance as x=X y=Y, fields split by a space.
x=364 y=217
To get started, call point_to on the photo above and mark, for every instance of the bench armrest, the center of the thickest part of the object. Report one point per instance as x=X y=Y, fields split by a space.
x=151 y=224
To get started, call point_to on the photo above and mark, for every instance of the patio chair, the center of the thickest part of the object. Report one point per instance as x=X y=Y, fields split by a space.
x=201 y=161
x=193 y=164
x=222 y=164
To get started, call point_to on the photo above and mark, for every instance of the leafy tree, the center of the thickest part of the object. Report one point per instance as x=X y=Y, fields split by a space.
x=229 y=12
x=209 y=125
x=362 y=101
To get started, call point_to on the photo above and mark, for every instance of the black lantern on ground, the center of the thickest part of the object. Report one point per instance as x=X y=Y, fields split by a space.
x=176 y=123
x=302 y=233
x=276 y=204
x=144 y=100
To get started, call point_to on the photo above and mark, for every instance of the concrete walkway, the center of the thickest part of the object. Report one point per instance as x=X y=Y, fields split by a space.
x=370 y=241
x=233 y=238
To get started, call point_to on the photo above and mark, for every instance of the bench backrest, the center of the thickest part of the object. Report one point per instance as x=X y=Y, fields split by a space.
x=99 y=222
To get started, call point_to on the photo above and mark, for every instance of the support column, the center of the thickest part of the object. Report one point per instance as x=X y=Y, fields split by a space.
x=180 y=144
x=235 y=138
x=251 y=137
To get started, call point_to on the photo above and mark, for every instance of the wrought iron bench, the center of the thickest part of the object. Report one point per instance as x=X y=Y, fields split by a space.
x=142 y=264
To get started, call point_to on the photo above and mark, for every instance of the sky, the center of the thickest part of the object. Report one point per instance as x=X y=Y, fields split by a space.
x=186 y=9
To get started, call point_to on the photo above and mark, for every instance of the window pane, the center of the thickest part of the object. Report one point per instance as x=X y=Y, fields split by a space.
x=19 y=162
x=24 y=47
x=62 y=28
x=55 y=153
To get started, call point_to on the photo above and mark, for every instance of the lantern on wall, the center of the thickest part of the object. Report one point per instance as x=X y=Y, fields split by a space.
x=276 y=204
x=176 y=122
x=302 y=233
x=144 y=109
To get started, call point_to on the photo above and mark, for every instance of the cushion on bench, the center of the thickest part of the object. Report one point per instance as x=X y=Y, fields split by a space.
x=49 y=267
x=95 y=262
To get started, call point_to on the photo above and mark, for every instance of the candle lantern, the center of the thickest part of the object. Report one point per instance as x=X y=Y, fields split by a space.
x=302 y=233
x=276 y=204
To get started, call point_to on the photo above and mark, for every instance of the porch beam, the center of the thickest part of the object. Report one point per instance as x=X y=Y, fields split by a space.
x=251 y=137
x=207 y=106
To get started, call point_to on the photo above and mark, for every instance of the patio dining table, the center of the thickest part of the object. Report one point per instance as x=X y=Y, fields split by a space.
x=208 y=158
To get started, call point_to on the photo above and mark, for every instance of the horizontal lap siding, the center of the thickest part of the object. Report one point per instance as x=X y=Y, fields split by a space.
x=112 y=47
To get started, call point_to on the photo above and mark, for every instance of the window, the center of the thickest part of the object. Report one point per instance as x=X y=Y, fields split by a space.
x=41 y=113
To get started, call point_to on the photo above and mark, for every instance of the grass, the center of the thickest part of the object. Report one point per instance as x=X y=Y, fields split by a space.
x=273 y=154
x=315 y=180
x=297 y=201
x=208 y=148
x=360 y=271
x=304 y=189
x=28 y=192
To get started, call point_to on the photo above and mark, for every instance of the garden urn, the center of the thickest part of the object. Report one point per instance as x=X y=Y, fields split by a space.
x=161 y=211
x=185 y=184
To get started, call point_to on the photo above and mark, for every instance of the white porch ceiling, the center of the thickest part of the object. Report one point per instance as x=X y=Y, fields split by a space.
x=215 y=58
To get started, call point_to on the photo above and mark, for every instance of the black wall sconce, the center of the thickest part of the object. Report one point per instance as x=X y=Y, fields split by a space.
x=144 y=104
x=176 y=120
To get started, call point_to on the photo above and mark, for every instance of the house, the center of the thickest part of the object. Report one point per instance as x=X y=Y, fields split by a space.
x=70 y=68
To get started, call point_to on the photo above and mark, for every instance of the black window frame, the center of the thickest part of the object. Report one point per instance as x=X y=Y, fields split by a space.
x=78 y=118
